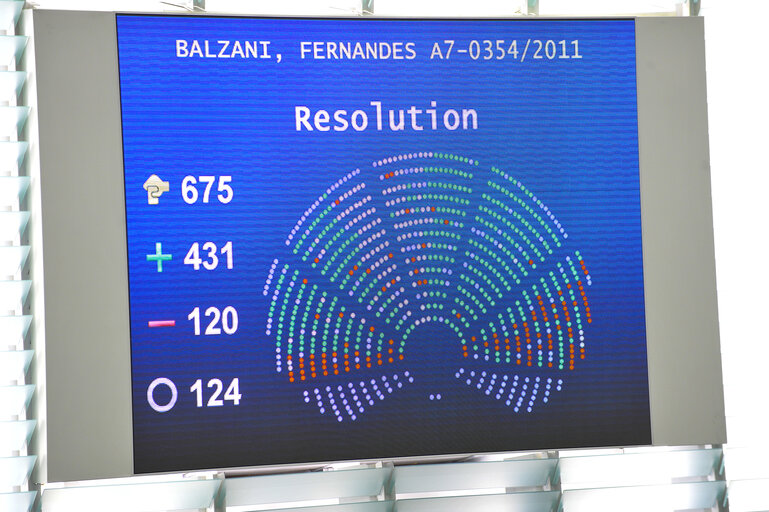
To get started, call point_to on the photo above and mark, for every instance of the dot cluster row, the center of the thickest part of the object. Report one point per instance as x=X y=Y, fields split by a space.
x=320 y=217
x=341 y=181
x=270 y=275
x=350 y=400
x=319 y=337
x=533 y=198
x=427 y=169
x=341 y=231
x=520 y=393
x=509 y=194
x=427 y=184
x=543 y=329
x=422 y=154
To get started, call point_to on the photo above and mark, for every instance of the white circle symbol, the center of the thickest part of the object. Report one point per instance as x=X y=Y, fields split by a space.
x=151 y=390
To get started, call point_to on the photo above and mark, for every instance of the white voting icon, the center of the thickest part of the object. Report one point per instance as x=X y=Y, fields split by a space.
x=155 y=188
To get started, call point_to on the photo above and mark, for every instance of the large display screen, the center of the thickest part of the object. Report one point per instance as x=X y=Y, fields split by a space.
x=366 y=238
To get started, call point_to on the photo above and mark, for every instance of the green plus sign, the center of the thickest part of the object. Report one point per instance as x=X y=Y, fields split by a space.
x=159 y=257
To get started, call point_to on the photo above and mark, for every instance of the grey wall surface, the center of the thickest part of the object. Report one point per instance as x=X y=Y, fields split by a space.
x=88 y=415
x=87 y=345
x=685 y=383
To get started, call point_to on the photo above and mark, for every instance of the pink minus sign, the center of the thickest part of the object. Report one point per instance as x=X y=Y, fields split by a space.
x=161 y=323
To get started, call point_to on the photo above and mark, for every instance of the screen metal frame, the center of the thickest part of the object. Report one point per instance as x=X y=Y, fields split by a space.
x=77 y=168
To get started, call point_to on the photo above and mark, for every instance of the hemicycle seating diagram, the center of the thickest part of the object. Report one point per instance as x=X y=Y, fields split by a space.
x=427 y=239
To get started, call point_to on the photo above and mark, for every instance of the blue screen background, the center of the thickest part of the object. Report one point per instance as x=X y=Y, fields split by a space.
x=566 y=129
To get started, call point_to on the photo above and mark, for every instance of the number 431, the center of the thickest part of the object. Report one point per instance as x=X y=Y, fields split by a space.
x=210 y=251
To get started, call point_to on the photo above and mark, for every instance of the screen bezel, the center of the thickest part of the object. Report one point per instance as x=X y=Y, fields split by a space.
x=87 y=364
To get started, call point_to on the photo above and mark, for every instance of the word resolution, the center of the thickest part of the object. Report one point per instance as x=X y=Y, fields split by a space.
x=379 y=118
